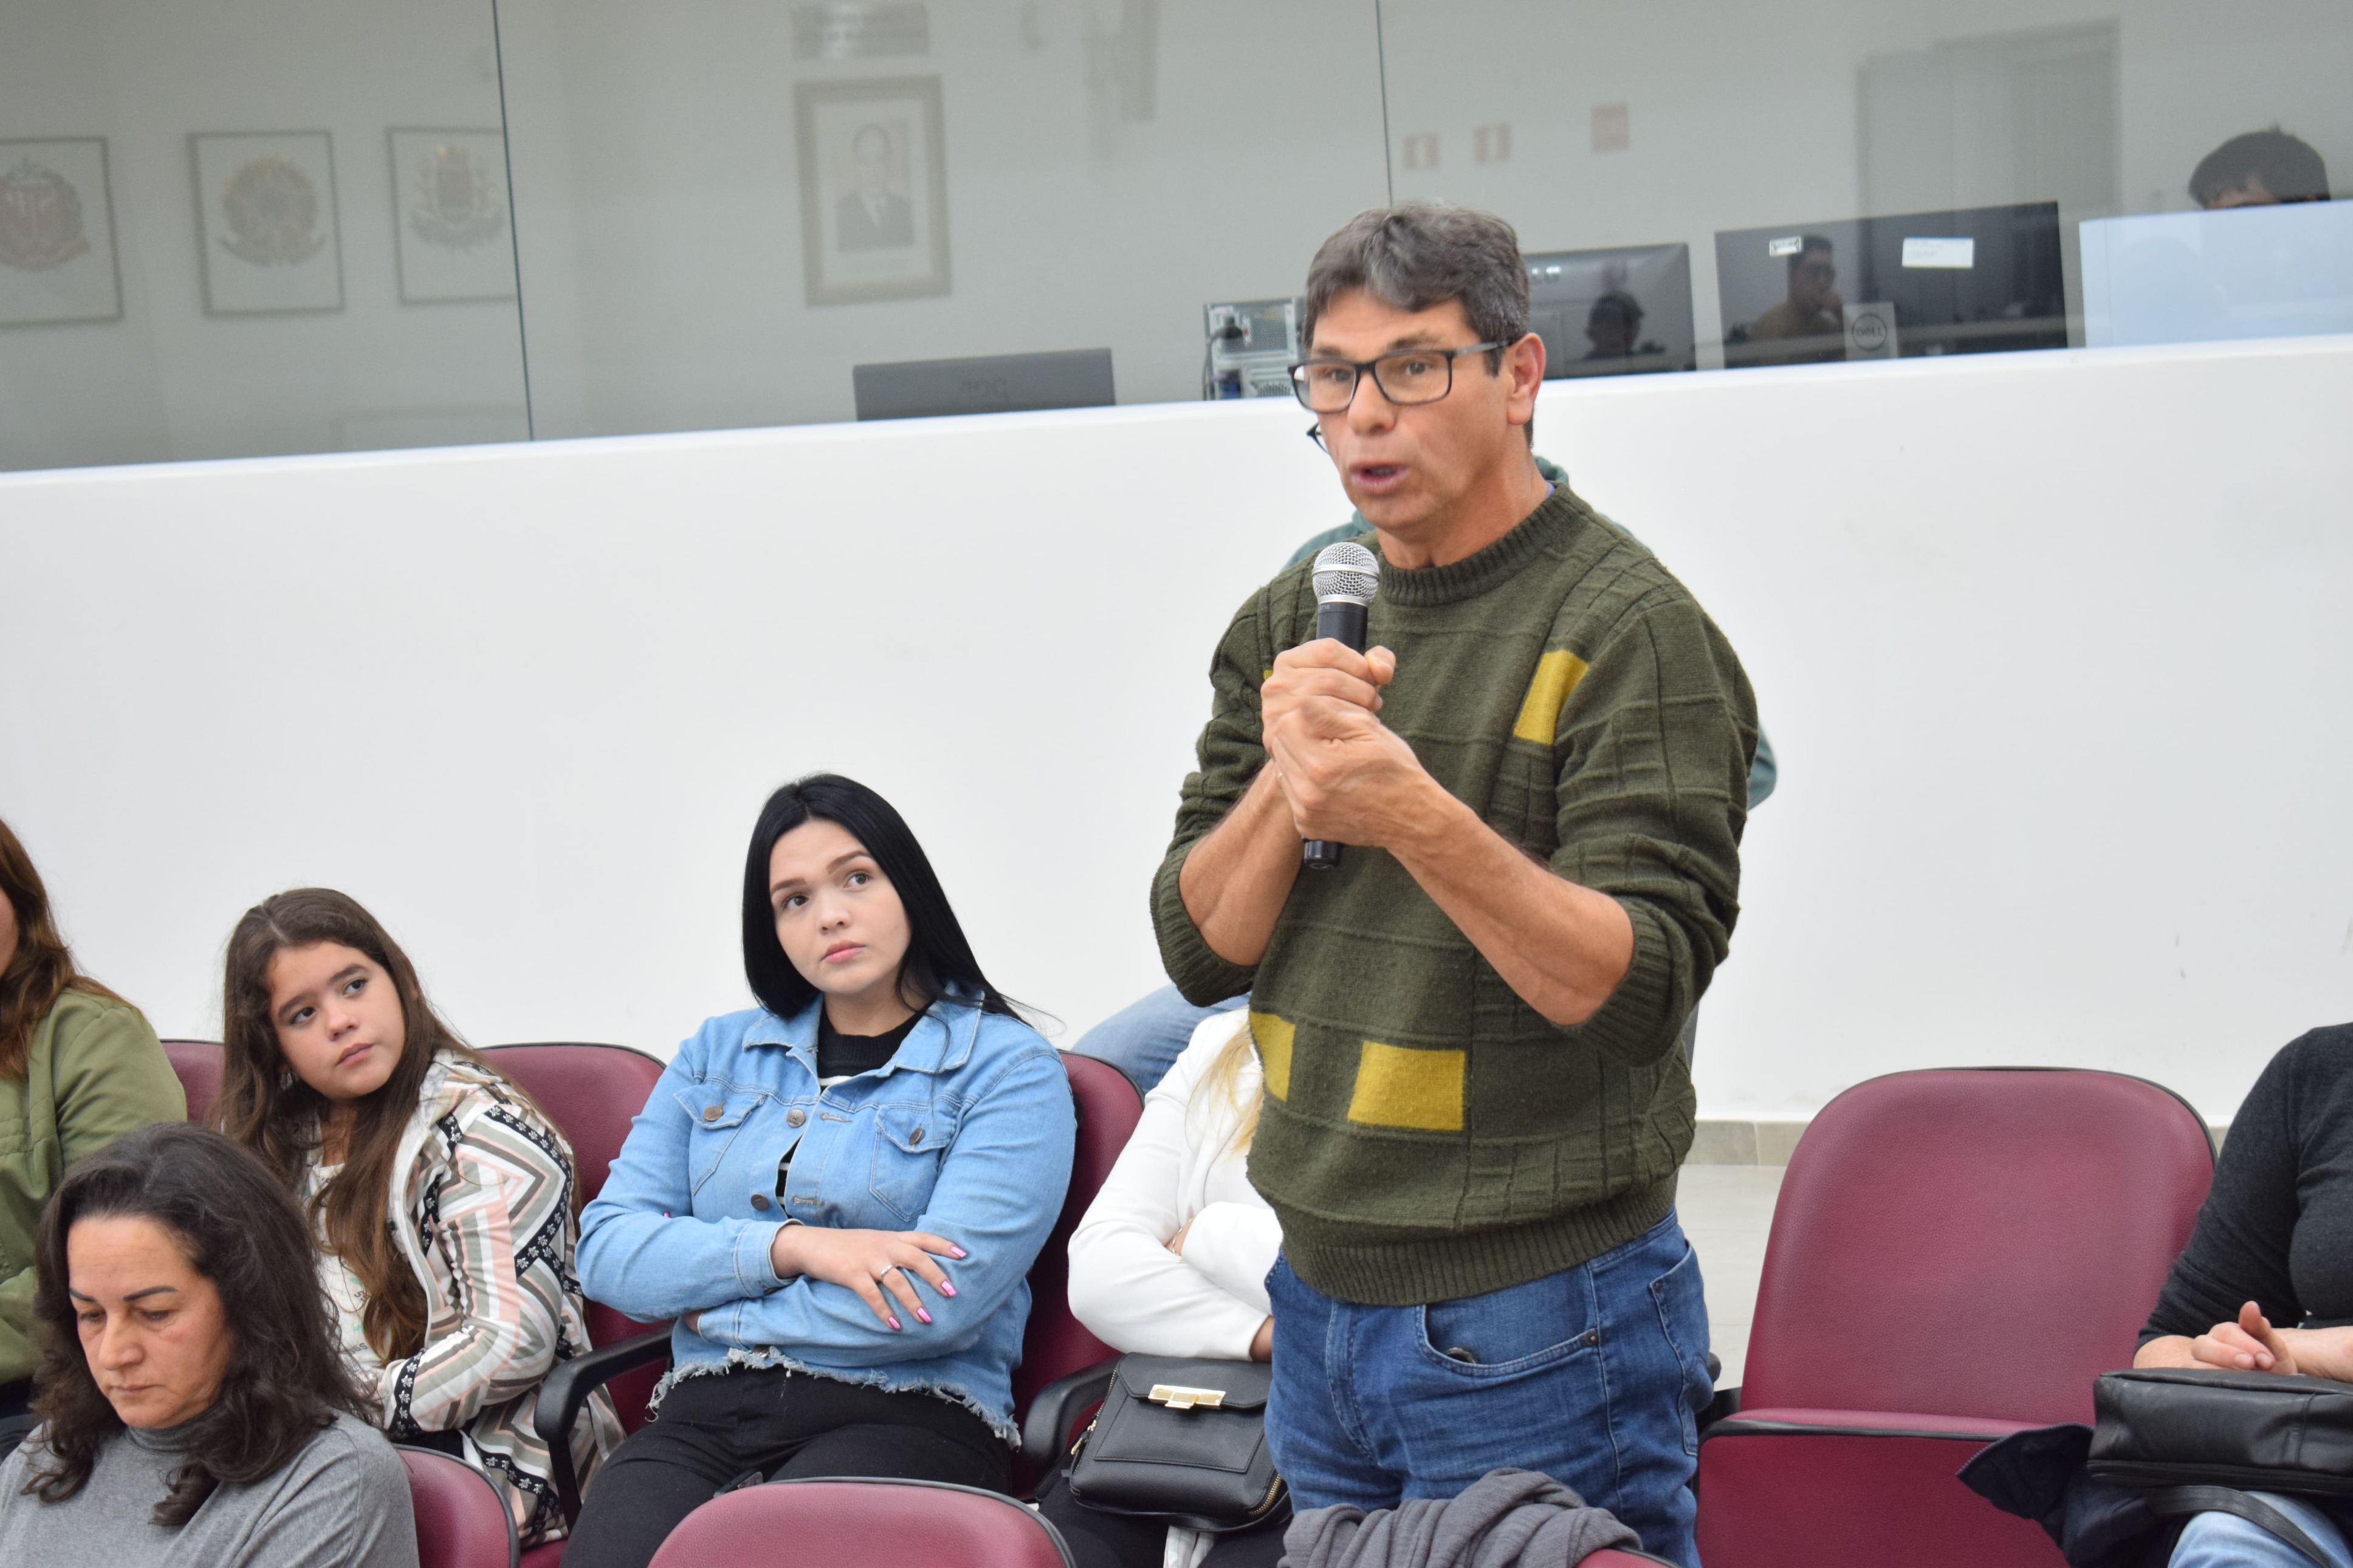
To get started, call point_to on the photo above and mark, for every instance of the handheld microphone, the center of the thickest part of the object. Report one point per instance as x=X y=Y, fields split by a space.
x=1346 y=575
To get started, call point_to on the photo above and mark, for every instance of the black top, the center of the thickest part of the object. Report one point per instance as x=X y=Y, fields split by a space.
x=846 y=1055
x=2277 y=1228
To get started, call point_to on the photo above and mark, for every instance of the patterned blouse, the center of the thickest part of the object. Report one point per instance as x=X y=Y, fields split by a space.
x=485 y=1218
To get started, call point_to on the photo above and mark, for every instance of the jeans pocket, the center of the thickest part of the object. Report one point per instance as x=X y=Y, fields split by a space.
x=1516 y=1330
x=1682 y=1305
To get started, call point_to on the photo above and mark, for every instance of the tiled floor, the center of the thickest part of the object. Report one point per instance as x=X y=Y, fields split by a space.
x=1726 y=1210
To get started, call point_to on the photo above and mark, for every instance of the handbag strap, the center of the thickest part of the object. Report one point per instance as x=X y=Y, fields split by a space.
x=2171 y=1501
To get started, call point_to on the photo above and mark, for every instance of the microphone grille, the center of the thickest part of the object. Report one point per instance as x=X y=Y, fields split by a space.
x=1347 y=572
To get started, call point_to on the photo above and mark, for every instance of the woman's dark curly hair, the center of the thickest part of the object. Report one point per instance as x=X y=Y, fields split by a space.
x=239 y=1229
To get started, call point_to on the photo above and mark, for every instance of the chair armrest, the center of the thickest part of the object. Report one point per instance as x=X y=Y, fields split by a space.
x=1047 y=1426
x=1725 y=1402
x=565 y=1393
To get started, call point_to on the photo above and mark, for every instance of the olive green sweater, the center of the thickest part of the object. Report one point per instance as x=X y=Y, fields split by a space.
x=1426 y=1134
x=95 y=1071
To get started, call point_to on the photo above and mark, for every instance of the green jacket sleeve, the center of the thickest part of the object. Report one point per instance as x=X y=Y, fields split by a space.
x=103 y=1074
x=112 y=1078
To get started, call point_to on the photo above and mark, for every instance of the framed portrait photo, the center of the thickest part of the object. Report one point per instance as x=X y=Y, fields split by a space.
x=266 y=224
x=874 y=204
x=449 y=211
x=57 y=233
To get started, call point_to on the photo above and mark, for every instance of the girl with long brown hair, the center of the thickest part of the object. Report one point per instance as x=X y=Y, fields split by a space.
x=442 y=1198
x=78 y=1067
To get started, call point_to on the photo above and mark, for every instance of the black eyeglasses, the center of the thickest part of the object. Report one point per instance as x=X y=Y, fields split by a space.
x=1406 y=377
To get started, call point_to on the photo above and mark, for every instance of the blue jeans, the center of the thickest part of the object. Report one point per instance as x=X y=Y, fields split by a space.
x=1145 y=1038
x=2226 y=1540
x=1595 y=1376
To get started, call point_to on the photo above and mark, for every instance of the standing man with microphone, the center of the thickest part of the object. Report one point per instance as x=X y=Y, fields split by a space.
x=1474 y=1107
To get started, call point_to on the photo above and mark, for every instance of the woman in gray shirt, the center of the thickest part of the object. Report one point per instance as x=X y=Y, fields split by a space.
x=194 y=1410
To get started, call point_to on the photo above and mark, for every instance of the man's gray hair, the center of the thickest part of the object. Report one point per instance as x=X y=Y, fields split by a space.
x=1418 y=254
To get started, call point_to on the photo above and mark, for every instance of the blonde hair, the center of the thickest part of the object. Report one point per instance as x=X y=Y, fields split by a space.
x=1224 y=1077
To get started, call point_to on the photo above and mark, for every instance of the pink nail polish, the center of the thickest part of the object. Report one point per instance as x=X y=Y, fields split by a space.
x=894 y=1324
x=946 y=1289
x=921 y=1314
x=960 y=1252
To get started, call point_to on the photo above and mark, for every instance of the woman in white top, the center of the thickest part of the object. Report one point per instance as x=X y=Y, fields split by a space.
x=1172 y=1259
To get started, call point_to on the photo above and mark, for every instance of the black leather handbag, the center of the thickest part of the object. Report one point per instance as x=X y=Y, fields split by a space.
x=2197 y=1440
x=1180 y=1440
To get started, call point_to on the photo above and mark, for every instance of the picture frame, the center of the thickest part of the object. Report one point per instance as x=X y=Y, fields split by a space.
x=873 y=188
x=57 y=258
x=268 y=226
x=452 y=215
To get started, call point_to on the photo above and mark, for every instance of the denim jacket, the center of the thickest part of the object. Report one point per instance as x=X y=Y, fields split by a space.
x=966 y=1133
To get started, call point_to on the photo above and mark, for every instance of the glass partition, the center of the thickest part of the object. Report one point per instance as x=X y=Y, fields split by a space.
x=1853 y=179
x=252 y=226
x=729 y=208
x=263 y=226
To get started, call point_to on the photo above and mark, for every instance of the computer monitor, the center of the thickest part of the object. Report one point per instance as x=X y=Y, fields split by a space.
x=1252 y=344
x=1624 y=311
x=993 y=384
x=1975 y=280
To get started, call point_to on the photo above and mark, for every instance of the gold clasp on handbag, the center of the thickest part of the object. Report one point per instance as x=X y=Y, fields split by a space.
x=1177 y=1397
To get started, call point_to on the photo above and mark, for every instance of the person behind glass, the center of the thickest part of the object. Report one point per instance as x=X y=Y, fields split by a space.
x=79 y=1066
x=1614 y=328
x=441 y=1195
x=1812 y=320
x=2260 y=168
x=1171 y=1259
x=2266 y=1281
x=1475 y=1106
x=838 y=1194
x=194 y=1409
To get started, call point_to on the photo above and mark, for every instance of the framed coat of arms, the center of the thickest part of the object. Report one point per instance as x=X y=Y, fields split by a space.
x=266 y=224
x=57 y=233
x=874 y=201
x=452 y=216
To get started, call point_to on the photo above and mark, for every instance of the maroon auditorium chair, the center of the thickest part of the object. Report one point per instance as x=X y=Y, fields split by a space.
x=198 y=1064
x=593 y=1092
x=1060 y=1361
x=1065 y=1370
x=856 y=1521
x=1956 y=1255
x=461 y=1521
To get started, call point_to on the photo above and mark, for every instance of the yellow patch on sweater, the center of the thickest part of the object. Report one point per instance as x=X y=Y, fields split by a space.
x=1400 y=1087
x=1557 y=674
x=1273 y=1037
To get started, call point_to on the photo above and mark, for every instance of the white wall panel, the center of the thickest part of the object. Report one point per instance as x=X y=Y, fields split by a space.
x=2052 y=647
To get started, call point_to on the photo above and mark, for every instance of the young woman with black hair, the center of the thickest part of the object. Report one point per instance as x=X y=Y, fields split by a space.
x=442 y=1197
x=78 y=1066
x=194 y=1409
x=838 y=1194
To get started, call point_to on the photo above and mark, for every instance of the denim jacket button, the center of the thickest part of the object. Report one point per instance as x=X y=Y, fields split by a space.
x=759 y=1200
x=916 y=1136
x=795 y=1117
x=711 y=1114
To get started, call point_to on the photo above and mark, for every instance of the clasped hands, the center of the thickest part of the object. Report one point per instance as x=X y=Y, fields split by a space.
x=1344 y=775
x=1261 y=1345
x=2252 y=1344
x=865 y=1262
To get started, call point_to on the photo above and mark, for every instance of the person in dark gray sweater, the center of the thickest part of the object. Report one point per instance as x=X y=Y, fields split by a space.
x=2266 y=1282
x=193 y=1408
